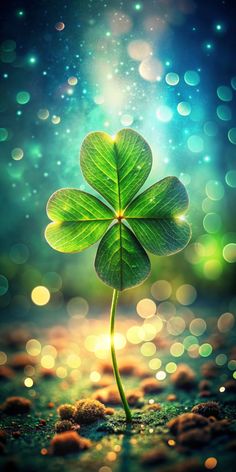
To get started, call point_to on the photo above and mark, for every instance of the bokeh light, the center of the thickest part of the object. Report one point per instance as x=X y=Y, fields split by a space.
x=177 y=349
x=197 y=326
x=225 y=322
x=40 y=295
x=229 y=252
x=33 y=347
x=186 y=294
x=146 y=308
x=232 y=135
x=17 y=154
x=195 y=143
x=139 y=49
x=192 y=78
x=164 y=113
x=161 y=290
x=3 y=285
x=224 y=93
x=150 y=69
x=23 y=97
x=172 y=78
x=184 y=108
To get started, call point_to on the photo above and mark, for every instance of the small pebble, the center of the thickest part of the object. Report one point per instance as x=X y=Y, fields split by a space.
x=22 y=360
x=15 y=405
x=63 y=425
x=66 y=411
x=184 y=377
x=155 y=456
x=88 y=411
x=151 y=385
x=171 y=397
x=207 y=409
x=6 y=373
x=68 y=443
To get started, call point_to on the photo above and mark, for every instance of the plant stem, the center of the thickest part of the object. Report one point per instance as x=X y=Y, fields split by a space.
x=113 y=356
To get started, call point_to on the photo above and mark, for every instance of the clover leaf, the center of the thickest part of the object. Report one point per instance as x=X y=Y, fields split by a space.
x=128 y=225
x=117 y=169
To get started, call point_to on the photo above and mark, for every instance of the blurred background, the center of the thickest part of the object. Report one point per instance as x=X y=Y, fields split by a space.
x=165 y=68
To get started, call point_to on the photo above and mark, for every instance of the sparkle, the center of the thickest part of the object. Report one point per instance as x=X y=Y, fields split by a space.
x=32 y=60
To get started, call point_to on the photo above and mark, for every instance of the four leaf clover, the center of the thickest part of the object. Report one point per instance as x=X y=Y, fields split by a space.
x=129 y=225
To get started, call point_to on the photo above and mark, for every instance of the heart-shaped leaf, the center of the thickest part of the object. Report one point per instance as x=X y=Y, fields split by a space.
x=75 y=236
x=71 y=204
x=121 y=262
x=165 y=199
x=162 y=237
x=80 y=220
x=117 y=168
x=154 y=217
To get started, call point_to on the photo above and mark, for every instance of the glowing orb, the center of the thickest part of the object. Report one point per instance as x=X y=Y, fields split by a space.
x=17 y=154
x=184 y=108
x=150 y=69
x=22 y=97
x=164 y=113
x=40 y=295
x=192 y=78
x=172 y=78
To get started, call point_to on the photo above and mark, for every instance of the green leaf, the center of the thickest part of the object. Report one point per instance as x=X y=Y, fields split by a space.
x=162 y=237
x=155 y=218
x=80 y=220
x=117 y=168
x=75 y=236
x=121 y=262
x=166 y=198
x=69 y=204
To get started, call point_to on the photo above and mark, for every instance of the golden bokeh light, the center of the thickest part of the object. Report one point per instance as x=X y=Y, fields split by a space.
x=47 y=361
x=171 y=367
x=95 y=376
x=3 y=358
x=33 y=347
x=155 y=363
x=210 y=463
x=73 y=361
x=40 y=295
x=177 y=349
x=148 y=349
x=186 y=294
x=147 y=332
x=225 y=322
x=134 y=334
x=28 y=382
x=161 y=290
x=197 y=326
x=49 y=350
x=146 y=308
x=61 y=372
x=72 y=81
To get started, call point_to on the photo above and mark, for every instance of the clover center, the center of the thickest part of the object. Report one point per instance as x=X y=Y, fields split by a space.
x=119 y=215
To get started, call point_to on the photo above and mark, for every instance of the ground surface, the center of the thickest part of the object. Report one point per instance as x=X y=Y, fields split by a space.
x=115 y=446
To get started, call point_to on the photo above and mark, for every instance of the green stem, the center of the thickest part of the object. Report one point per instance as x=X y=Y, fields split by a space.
x=113 y=356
